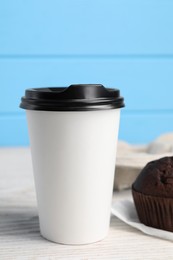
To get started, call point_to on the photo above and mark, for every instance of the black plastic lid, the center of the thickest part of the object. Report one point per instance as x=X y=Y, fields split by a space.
x=80 y=97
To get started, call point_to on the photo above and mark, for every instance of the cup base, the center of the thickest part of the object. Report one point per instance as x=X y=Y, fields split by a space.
x=73 y=243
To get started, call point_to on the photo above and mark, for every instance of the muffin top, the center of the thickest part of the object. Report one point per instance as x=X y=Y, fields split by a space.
x=156 y=178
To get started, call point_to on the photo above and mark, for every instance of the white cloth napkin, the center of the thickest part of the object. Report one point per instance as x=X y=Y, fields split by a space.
x=125 y=210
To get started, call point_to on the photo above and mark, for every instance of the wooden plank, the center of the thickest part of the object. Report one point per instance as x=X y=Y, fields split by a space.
x=137 y=128
x=86 y=27
x=146 y=84
x=143 y=127
x=13 y=130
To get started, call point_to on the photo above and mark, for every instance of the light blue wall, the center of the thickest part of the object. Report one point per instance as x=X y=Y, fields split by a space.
x=120 y=43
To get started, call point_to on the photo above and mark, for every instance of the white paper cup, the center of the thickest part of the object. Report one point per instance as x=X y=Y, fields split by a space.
x=73 y=154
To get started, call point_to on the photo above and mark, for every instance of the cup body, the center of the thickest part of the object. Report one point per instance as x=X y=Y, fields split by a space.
x=74 y=154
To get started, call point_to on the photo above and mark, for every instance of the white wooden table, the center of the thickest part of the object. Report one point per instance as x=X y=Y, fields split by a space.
x=19 y=226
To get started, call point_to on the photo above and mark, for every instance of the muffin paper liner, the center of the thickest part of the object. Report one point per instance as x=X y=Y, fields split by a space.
x=153 y=211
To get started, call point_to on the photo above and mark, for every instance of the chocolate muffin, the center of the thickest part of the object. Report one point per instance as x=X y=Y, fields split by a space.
x=153 y=194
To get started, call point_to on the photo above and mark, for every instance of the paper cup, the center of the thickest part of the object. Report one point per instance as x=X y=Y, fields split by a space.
x=73 y=154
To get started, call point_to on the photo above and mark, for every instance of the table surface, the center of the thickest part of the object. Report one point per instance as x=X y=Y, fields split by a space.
x=19 y=226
